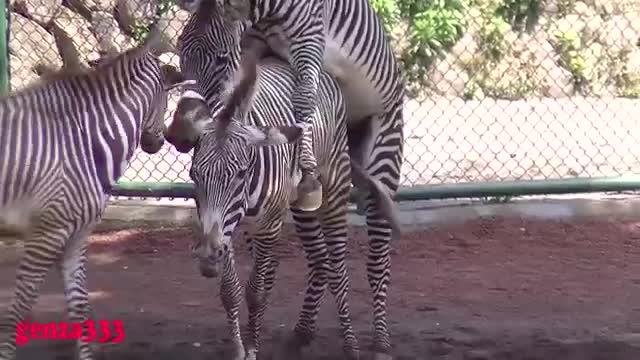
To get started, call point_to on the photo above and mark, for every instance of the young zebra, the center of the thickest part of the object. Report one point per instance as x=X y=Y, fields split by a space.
x=210 y=48
x=63 y=145
x=243 y=168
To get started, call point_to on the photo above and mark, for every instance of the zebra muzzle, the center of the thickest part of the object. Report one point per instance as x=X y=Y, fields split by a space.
x=210 y=263
x=209 y=269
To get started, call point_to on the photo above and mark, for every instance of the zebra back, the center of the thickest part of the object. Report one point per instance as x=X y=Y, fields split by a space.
x=83 y=124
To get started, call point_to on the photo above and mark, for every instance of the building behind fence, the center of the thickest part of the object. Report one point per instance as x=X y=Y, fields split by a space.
x=501 y=90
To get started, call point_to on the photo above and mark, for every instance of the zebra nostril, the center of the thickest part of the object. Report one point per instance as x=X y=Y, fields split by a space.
x=221 y=252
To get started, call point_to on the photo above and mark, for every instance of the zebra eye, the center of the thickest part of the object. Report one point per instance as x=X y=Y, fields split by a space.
x=240 y=174
x=220 y=57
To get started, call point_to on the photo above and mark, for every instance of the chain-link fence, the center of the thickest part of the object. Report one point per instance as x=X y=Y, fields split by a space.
x=499 y=89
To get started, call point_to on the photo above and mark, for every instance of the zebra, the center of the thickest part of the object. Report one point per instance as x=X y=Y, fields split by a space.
x=358 y=55
x=240 y=175
x=64 y=143
x=348 y=39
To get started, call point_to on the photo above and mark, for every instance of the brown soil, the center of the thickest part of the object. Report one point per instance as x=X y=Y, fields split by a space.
x=487 y=289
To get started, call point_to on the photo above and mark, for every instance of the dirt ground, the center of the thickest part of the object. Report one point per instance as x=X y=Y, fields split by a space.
x=487 y=289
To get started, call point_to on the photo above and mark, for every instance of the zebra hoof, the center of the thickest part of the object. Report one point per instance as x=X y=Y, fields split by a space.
x=309 y=194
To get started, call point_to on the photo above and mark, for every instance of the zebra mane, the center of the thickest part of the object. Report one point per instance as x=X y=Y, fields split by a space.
x=241 y=97
x=100 y=67
x=205 y=12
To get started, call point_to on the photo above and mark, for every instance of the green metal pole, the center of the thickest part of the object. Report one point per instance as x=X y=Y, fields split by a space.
x=4 y=49
x=515 y=188
x=426 y=192
x=154 y=189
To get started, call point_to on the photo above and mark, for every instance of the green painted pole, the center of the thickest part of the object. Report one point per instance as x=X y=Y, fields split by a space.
x=154 y=189
x=426 y=192
x=4 y=49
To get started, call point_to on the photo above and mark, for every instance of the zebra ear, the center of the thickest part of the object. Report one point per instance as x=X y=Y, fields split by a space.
x=272 y=135
x=173 y=78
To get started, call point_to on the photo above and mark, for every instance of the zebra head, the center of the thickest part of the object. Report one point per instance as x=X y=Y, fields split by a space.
x=153 y=125
x=156 y=81
x=223 y=165
x=209 y=49
x=139 y=79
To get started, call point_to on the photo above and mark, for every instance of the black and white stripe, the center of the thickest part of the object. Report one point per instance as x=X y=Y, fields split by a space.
x=246 y=172
x=354 y=48
x=63 y=145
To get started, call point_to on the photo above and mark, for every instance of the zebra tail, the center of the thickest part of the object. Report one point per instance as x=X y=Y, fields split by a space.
x=386 y=206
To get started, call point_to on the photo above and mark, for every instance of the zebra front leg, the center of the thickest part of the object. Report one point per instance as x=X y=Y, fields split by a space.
x=260 y=284
x=310 y=233
x=334 y=227
x=231 y=296
x=41 y=252
x=73 y=269
x=307 y=51
x=384 y=165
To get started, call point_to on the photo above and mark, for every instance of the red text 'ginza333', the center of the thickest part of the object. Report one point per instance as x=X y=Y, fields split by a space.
x=86 y=331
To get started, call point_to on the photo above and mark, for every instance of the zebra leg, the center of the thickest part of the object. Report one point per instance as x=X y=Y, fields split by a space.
x=309 y=230
x=334 y=221
x=73 y=269
x=231 y=295
x=41 y=251
x=309 y=189
x=384 y=165
x=307 y=50
x=259 y=284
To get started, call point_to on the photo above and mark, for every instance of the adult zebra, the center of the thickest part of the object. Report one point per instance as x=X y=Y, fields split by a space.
x=209 y=54
x=242 y=175
x=63 y=145
x=347 y=37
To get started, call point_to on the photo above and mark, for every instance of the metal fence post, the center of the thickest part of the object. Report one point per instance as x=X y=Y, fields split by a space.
x=4 y=49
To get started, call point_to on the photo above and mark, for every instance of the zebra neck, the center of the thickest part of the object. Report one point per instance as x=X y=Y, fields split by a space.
x=114 y=136
x=270 y=177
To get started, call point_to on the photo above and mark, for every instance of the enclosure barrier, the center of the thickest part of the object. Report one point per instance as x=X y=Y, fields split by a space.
x=505 y=97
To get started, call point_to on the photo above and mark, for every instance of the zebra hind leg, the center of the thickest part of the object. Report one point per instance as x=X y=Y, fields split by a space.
x=334 y=227
x=73 y=269
x=310 y=188
x=384 y=165
x=260 y=284
x=41 y=251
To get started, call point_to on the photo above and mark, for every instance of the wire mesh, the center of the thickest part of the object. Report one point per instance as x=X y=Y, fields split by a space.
x=498 y=89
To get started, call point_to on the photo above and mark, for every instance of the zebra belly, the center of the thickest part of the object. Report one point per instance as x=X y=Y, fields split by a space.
x=360 y=94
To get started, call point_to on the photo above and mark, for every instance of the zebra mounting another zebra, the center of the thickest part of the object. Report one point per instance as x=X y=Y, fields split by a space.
x=244 y=170
x=63 y=145
x=345 y=38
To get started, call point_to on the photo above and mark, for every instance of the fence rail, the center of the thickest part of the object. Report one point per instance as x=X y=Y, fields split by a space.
x=499 y=105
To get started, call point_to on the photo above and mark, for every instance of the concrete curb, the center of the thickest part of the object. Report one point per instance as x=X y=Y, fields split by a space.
x=420 y=213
